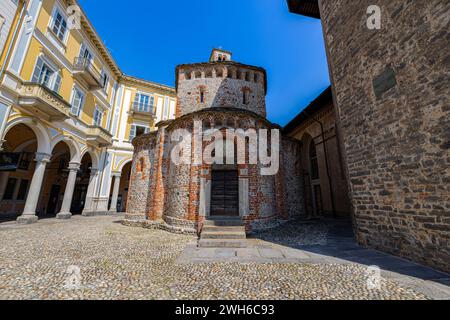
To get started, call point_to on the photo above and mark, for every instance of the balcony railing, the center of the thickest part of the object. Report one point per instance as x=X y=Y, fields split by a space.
x=84 y=68
x=143 y=109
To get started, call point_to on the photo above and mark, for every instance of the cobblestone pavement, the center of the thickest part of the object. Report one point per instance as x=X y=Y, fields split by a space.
x=42 y=261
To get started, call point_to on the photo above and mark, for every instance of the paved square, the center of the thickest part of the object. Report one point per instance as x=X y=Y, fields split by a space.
x=98 y=258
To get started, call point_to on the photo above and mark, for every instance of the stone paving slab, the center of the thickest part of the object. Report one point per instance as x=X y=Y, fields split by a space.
x=271 y=253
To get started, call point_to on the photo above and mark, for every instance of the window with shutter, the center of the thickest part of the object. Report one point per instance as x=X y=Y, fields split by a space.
x=85 y=53
x=132 y=132
x=57 y=85
x=137 y=130
x=152 y=102
x=143 y=102
x=105 y=80
x=59 y=26
x=98 y=117
x=46 y=76
x=77 y=102
x=37 y=70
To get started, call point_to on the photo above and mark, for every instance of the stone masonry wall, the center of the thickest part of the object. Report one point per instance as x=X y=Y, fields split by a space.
x=293 y=183
x=220 y=89
x=310 y=130
x=142 y=171
x=391 y=88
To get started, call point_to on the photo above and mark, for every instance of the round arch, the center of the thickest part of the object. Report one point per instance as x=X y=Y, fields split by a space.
x=75 y=154
x=93 y=155
x=123 y=163
x=306 y=141
x=43 y=139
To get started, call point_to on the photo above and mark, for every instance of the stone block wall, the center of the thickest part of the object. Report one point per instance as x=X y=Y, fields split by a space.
x=141 y=177
x=292 y=178
x=392 y=93
x=221 y=86
x=310 y=131
x=170 y=194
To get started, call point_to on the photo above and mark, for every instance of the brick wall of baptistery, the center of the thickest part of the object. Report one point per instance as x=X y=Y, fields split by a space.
x=391 y=88
x=178 y=178
x=157 y=195
x=220 y=95
x=142 y=171
x=221 y=85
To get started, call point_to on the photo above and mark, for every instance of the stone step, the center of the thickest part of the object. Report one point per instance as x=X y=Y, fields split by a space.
x=221 y=222
x=223 y=235
x=222 y=228
x=222 y=243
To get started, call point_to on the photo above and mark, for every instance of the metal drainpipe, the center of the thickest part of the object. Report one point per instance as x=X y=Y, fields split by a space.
x=8 y=52
x=333 y=207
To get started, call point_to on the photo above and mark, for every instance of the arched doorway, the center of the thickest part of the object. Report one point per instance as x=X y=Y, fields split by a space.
x=311 y=177
x=18 y=166
x=315 y=179
x=119 y=189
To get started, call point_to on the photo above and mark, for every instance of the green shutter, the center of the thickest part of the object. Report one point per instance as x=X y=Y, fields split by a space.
x=136 y=101
x=37 y=70
x=57 y=85
x=132 y=131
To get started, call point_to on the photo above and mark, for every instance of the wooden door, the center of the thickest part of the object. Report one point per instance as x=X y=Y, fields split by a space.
x=225 y=193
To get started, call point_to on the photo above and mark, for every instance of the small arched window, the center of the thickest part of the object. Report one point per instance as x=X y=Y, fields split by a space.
x=245 y=96
x=313 y=160
x=202 y=95
x=230 y=73
x=140 y=166
x=206 y=124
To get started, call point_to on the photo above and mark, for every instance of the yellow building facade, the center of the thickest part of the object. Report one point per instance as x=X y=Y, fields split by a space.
x=67 y=114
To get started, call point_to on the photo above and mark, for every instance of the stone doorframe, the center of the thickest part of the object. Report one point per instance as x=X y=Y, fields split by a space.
x=205 y=191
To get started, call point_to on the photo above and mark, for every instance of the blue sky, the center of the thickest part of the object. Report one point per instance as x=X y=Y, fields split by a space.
x=148 y=38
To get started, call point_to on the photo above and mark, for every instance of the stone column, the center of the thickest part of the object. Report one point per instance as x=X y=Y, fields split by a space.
x=115 y=193
x=244 y=206
x=68 y=193
x=87 y=211
x=205 y=197
x=29 y=213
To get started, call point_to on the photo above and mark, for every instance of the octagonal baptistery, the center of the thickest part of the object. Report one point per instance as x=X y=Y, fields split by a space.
x=178 y=196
